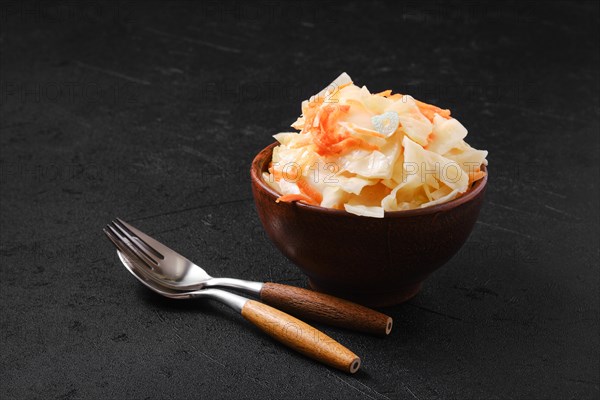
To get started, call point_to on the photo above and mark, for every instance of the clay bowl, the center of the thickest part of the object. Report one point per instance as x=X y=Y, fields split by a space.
x=373 y=261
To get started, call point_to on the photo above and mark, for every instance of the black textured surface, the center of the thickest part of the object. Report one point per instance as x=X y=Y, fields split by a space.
x=153 y=113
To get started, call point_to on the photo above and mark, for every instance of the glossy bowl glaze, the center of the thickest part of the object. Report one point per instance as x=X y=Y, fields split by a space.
x=373 y=261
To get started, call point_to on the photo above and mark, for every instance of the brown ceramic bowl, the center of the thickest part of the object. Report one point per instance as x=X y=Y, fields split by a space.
x=373 y=261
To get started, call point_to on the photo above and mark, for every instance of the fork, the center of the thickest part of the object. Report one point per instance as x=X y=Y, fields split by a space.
x=284 y=328
x=172 y=270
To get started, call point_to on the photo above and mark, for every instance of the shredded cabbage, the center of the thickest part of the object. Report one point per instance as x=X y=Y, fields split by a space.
x=369 y=153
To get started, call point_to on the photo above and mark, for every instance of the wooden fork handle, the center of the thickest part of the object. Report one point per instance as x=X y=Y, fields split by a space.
x=320 y=307
x=300 y=336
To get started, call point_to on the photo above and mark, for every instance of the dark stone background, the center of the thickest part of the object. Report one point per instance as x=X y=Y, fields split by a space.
x=153 y=112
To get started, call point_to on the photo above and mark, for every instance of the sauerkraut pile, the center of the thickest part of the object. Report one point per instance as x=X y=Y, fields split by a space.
x=368 y=153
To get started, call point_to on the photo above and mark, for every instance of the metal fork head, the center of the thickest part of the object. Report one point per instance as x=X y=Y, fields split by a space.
x=162 y=264
x=132 y=264
x=134 y=268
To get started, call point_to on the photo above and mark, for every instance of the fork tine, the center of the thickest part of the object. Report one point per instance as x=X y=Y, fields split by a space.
x=131 y=257
x=118 y=244
x=135 y=238
x=157 y=246
x=133 y=248
x=113 y=239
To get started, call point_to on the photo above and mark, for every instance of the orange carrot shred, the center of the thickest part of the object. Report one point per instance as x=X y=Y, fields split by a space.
x=328 y=136
x=309 y=191
x=429 y=110
x=288 y=198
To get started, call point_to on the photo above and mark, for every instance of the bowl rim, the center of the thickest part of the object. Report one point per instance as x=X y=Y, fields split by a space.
x=256 y=176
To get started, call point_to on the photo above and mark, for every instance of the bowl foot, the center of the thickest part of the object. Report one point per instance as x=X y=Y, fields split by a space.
x=398 y=296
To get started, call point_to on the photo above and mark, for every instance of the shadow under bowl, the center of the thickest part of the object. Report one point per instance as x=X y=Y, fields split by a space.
x=373 y=261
